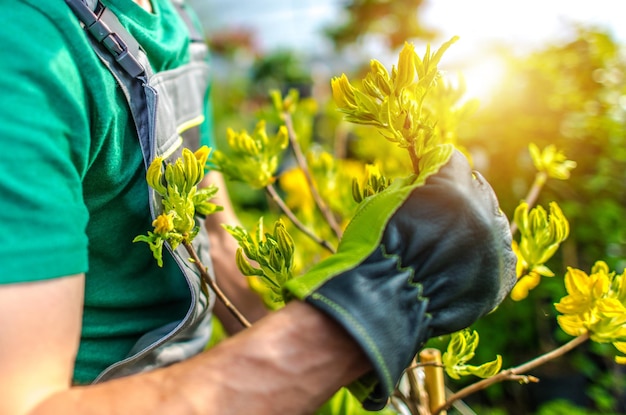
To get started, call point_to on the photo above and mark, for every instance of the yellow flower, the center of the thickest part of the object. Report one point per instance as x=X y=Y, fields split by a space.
x=254 y=158
x=164 y=223
x=594 y=304
x=394 y=104
x=541 y=236
x=542 y=233
x=551 y=161
x=298 y=195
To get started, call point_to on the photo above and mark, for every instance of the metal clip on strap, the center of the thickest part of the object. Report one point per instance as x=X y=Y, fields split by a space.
x=103 y=34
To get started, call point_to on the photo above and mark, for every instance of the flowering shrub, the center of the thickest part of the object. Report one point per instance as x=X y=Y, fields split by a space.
x=413 y=107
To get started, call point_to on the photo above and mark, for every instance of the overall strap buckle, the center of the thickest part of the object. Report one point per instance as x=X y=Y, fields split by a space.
x=107 y=30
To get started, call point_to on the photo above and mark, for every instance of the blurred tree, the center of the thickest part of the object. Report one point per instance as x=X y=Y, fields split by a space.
x=283 y=70
x=228 y=42
x=395 y=21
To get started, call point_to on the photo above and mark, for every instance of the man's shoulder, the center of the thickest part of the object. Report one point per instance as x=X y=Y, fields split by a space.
x=38 y=25
x=56 y=12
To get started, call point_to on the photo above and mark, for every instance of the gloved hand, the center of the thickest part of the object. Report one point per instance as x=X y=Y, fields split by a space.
x=418 y=260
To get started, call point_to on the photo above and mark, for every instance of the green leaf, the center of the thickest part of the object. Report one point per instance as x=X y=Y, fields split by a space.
x=489 y=369
x=461 y=349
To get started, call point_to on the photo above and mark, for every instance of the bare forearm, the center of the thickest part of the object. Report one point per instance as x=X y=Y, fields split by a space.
x=288 y=363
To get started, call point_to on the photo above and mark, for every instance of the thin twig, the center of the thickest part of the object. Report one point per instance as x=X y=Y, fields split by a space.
x=285 y=209
x=422 y=364
x=414 y=160
x=406 y=401
x=461 y=407
x=533 y=194
x=301 y=160
x=417 y=392
x=515 y=373
x=211 y=283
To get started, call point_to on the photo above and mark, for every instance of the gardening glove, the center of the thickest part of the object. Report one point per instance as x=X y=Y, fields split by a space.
x=422 y=258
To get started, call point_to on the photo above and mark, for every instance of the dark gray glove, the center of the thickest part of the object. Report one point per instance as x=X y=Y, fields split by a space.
x=416 y=261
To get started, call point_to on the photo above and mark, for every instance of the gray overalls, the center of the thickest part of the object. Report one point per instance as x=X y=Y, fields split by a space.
x=167 y=109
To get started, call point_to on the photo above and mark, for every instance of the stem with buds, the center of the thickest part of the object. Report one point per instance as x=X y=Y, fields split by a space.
x=515 y=373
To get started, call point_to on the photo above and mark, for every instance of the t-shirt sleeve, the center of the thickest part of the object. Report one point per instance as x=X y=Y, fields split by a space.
x=43 y=147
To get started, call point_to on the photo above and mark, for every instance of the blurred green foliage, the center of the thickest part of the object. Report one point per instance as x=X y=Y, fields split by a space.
x=572 y=95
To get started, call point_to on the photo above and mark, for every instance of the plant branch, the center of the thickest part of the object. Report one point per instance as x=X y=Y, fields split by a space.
x=297 y=151
x=216 y=289
x=281 y=204
x=531 y=198
x=414 y=160
x=515 y=373
x=418 y=396
x=415 y=365
x=407 y=402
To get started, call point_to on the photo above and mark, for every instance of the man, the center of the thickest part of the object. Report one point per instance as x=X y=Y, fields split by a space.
x=89 y=324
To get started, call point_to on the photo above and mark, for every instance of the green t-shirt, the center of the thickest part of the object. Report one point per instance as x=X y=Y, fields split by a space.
x=73 y=193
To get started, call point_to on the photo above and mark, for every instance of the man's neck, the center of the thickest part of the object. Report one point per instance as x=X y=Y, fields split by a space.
x=145 y=4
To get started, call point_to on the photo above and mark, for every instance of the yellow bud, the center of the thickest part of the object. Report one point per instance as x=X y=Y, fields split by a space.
x=343 y=92
x=202 y=155
x=275 y=260
x=163 y=224
x=282 y=137
x=285 y=243
x=259 y=133
x=244 y=266
x=191 y=170
x=154 y=176
x=380 y=77
x=357 y=193
x=246 y=144
x=405 y=74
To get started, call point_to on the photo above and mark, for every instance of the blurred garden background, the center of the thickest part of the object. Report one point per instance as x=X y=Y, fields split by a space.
x=544 y=72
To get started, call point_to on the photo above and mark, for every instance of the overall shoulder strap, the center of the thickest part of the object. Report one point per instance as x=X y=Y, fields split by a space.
x=120 y=53
x=106 y=29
